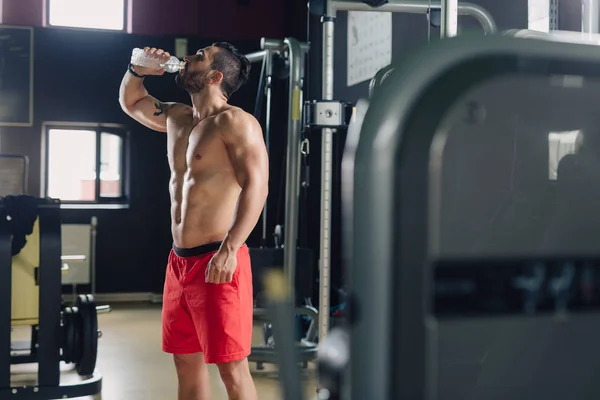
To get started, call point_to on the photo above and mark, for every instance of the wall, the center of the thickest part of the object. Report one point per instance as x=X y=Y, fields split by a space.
x=223 y=19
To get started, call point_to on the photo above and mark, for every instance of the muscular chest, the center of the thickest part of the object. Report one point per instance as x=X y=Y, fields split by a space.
x=195 y=146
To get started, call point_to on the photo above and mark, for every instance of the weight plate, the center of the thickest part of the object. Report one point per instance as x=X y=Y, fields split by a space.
x=76 y=349
x=94 y=330
x=88 y=335
x=68 y=334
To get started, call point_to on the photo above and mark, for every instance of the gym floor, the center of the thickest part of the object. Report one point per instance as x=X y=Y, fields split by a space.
x=134 y=367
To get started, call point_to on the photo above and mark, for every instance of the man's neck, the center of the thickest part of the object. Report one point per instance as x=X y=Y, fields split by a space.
x=208 y=103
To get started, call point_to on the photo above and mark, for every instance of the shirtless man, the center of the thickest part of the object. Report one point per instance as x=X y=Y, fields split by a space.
x=219 y=184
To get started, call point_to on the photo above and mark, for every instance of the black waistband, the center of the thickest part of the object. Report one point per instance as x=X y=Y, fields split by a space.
x=197 y=251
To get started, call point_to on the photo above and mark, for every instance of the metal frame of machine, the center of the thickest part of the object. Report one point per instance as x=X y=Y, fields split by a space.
x=450 y=9
x=297 y=113
x=50 y=334
x=294 y=51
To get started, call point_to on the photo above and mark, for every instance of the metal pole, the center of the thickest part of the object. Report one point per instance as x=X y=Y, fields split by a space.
x=282 y=305
x=449 y=18
x=257 y=56
x=271 y=44
x=589 y=16
x=7 y=295
x=419 y=7
x=292 y=184
x=268 y=78
x=94 y=234
x=328 y=21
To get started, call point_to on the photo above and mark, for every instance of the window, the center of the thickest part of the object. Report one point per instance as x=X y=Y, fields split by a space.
x=75 y=154
x=559 y=145
x=95 y=14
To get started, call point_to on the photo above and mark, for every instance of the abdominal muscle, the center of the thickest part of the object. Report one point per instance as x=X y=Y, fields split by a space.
x=202 y=211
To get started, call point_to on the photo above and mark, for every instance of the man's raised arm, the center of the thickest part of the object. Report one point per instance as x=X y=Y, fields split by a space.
x=137 y=103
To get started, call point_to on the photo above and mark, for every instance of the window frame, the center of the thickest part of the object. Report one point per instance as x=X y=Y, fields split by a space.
x=125 y=28
x=99 y=128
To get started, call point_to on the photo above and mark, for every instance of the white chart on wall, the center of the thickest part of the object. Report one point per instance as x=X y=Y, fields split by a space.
x=538 y=15
x=369 y=44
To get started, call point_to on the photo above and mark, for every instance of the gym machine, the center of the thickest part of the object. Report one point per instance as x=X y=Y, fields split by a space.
x=331 y=115
x=30 y=246
x=284 y=59
x=431 y=301
x=472 y=325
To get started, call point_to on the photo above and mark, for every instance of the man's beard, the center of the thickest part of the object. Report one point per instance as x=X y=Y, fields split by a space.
x=191 y=82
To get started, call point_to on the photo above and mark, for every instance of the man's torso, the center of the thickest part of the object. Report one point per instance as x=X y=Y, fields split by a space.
x=203 y=187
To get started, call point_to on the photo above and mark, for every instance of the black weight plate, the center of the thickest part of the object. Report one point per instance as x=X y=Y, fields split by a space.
x=94 y=329
x=73 y=344
x=76 y=349
x=88 y=335
x=69 y=341
x=83 y=335
x=64 y=333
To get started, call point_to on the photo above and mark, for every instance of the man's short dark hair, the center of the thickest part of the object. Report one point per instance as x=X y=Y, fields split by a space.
x=234 y=66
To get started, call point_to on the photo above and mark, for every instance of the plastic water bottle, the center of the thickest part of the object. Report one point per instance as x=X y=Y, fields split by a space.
x=142 y=59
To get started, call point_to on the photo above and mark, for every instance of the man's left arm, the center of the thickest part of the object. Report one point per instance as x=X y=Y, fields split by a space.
x=246 y=147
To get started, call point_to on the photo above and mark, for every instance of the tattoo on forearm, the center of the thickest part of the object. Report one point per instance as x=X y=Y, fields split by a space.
x=160 y=108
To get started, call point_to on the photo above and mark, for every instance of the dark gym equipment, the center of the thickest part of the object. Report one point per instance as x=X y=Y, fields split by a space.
x=281 y=66
x=285 y=60
x=468 y=305
x=264 y=261
x=379 y=78
x=79 y=342
x=316 y=7
x=329 y=10
x=80 y=333
x=72 y=330
x=465 y=311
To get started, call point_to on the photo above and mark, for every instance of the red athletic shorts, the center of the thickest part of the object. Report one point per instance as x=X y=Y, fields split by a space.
x=199 y=317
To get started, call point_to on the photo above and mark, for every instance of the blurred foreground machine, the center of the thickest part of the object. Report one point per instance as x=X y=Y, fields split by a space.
x=30 y=281
x=483 y=276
